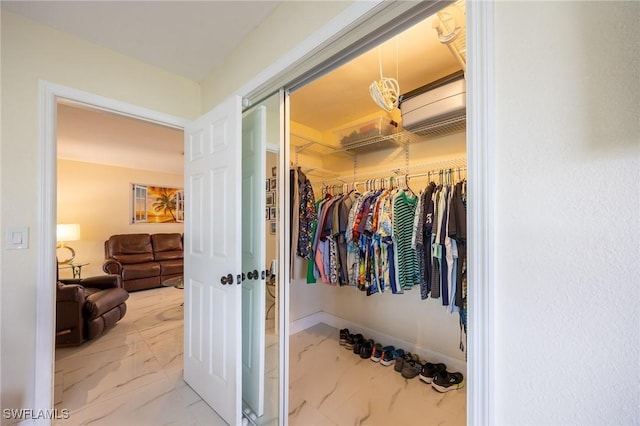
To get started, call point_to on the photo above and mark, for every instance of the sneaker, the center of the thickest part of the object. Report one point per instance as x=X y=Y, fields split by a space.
x=389 y=355
x=357 y=343
x=350 y=342
x=445 y=381
x=344 y=336
x=411 y=369
x=366 y=349
x=429 y=371
x=400 y=360
x=376 y=353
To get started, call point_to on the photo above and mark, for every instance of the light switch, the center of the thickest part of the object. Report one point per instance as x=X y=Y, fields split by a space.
x=17 y=238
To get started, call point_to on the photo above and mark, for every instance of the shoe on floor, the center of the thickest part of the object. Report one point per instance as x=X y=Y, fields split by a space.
x=411 y=369
x=389 y=355
x=366 y=349
x=344 y=336
x=400 y=360
x=445 y=381
x=430 y=370
x=357 y=343
x=376 y=353
x=350 y=342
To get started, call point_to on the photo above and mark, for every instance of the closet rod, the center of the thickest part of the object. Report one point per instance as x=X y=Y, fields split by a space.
x=436 y=165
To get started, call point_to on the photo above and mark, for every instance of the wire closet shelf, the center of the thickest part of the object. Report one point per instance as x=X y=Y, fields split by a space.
x=444 y=170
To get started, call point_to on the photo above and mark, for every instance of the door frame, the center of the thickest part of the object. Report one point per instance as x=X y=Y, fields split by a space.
x=482 y=183
x=47 y=208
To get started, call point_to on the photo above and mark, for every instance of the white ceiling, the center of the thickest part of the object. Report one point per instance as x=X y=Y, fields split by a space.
x=190 y=39
x=95 y=136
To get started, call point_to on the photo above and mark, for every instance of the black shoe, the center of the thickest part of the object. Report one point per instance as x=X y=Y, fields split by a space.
x=445 y=382
x=366 y=349
x=357 y=343
x=350 y=342
x=429 y=371
x=344 y=336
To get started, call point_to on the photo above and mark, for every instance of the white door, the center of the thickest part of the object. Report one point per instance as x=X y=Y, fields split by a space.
x=212 y=257
x=254 y=129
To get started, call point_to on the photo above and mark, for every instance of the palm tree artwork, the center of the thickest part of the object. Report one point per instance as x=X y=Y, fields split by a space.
x=164 y=204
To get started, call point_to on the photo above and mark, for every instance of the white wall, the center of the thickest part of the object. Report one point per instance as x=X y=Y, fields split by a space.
x=567 y=293
x=31 y=52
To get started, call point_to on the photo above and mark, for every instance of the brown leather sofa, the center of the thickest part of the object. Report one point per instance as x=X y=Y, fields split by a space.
x=86 y=308
x=144 y=261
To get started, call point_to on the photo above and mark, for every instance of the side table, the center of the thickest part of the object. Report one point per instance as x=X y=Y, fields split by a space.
x=76 y=268
x=177 y=282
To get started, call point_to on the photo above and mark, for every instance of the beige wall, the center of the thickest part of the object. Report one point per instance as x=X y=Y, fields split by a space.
x=287 y=26
x=99 y=199
x=567 y=161
x=31 y=52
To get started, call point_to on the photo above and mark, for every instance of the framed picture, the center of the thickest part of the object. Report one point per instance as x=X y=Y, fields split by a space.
x=266 y=216
x=156 y=204
x=273 y=215
x=273 y=184
x=269 y=199
x=268 y=184
x=274 y=171
x=272 y=228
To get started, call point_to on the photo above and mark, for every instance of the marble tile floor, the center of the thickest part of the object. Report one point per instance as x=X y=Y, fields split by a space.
x=132 y=375
x=330 y=385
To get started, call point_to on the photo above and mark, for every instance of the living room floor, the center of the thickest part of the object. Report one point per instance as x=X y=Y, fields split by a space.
x=132 y=375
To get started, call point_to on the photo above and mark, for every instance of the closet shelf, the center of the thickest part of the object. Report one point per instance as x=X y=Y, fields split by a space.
x=443 y=127
x=452 y=163
x=376 y=143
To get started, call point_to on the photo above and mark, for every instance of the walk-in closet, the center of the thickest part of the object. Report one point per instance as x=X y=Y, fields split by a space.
x=378 y=234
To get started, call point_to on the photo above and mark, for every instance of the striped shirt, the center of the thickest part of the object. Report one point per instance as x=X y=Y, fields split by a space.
x=404 y=207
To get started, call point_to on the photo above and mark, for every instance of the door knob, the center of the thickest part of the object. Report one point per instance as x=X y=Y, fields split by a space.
x=255 y=275
x=239 y=279
x=243 y=276
x=226 y=280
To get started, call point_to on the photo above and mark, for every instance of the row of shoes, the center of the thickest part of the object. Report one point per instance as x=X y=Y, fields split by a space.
x=406 y=363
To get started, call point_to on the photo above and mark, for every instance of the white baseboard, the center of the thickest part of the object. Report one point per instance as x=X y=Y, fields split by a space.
x=339 y=323
x=306 y=322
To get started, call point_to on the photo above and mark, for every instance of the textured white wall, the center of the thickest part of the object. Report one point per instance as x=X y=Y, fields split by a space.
x=31 y=52
x=567 y=279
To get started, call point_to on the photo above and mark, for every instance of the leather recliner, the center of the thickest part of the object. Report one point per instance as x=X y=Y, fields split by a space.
x=86 y=308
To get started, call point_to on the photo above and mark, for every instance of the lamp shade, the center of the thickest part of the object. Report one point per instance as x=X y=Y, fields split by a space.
x=67 y=232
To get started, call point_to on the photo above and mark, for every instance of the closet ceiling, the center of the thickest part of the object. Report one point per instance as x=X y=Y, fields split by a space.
x=414 y=58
